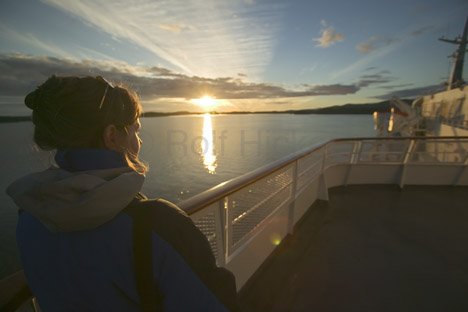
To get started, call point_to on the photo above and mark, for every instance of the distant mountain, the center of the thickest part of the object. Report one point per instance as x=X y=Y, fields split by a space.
x=367 y=109
x=163 y=114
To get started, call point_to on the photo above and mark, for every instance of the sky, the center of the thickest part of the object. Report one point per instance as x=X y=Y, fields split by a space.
x=233 y=55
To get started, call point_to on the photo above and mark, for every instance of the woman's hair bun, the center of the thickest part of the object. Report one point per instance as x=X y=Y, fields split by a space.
x=32 y=99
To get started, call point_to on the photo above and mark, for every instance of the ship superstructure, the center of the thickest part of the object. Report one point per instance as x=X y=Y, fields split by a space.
x=446 y=112
x=443 y=113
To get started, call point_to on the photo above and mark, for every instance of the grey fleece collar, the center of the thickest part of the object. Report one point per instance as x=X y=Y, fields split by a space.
x=72 y=201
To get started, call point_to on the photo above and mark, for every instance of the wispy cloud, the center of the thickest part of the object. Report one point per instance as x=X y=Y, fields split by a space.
x=412 y=92
x=422 y=30
x=308 y=69
x=30 y=40
x=374 y=79
x=377 y=46
x=374 y=48
x=176 y=28
x=328 y=36
x=204 y=38
x=21 y=73
x=84 y=52
x=399 y=86
x=375 y=42
x=365 y=47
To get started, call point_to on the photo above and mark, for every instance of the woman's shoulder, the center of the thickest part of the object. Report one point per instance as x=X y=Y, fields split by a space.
x=154 y=207
x=174 y=226
x=162 y=216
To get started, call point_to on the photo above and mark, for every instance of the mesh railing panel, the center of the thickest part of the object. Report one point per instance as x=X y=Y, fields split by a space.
x=339 y=153
x=383 y=151
x=207 y=225
x=446 y=151
x=254 y=203
x=308 y=161
x=308 y=168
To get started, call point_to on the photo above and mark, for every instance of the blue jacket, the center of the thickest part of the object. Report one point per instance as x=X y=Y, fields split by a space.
x=74 y=235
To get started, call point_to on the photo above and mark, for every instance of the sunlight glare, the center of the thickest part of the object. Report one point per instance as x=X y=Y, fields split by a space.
x=275 y=239
x=207 y=145
x=206 y=102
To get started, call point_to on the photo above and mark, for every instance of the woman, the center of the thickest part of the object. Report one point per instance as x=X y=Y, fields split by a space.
x=88 y=239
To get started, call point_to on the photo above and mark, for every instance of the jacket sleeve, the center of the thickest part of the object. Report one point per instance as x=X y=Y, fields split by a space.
x=176 y=228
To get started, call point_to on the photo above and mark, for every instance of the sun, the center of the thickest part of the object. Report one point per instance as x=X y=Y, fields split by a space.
x=206 y=102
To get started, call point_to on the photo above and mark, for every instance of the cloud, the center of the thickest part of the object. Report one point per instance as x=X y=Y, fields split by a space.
x=380 y=77
x=375 y=42
x=365 y=47
x=376 y=47
x=334 y=89
x=387 y=45
x=391 y=87
x=421 y=30
x=175 y=28
x=20 y=74
x=328 y=36
x=412 y=92
x=368 y=80
x=31 y=40
x=213 y=38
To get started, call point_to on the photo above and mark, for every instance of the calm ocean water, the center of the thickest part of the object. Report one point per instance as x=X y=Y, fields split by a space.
x=186 y=154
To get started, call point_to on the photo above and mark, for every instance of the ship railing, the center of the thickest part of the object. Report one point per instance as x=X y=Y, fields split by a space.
x=245 y=218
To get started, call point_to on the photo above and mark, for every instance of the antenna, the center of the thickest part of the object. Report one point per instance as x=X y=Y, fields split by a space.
x=456 y=76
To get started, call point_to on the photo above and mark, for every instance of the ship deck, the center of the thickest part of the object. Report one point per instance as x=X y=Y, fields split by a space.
x=371 y=248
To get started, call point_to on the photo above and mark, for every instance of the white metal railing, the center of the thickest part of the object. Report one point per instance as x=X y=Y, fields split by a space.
x=245 y=218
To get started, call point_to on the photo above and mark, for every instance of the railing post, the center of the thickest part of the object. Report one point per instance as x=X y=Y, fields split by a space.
x=357 y=146
x=224 y=214
x=323 y=189
x=409 y=150
x=356 y=152
x=292 y=203
x=462 y=171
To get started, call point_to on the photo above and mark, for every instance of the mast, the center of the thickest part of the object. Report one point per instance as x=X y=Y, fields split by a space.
x=456 y=76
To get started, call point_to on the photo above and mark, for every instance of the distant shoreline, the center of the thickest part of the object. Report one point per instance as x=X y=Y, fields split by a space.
x=347 y=109
x=5 y=119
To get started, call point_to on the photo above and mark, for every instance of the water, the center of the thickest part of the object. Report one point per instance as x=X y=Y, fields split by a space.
x=186 y=154
x=13 y=108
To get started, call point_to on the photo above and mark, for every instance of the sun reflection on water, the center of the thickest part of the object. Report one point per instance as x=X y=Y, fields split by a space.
x=207 y=145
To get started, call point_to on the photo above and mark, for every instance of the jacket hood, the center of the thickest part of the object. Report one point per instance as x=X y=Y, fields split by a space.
x=73 y=201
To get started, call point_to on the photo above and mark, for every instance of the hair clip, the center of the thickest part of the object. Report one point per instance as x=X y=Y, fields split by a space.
x=108 y=84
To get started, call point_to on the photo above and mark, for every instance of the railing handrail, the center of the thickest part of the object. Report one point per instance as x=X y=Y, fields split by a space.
x=205 y=198
x=214 y=194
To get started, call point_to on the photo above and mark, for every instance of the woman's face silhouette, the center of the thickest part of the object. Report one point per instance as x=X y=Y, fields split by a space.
x=120 y=139
x=133 y=140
